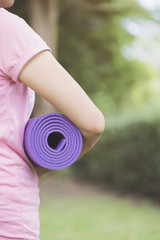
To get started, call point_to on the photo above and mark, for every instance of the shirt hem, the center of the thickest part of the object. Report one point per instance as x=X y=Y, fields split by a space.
x=10 y=238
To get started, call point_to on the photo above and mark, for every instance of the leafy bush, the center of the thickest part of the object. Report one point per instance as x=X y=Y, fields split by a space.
x=127 y=159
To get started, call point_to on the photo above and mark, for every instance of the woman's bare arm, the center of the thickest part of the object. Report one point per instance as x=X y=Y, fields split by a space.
x=50 y=80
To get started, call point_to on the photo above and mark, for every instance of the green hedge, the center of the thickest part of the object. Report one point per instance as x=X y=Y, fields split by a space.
x=127 y=159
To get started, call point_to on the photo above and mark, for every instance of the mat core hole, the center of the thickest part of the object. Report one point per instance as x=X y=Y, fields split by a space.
x=56 y=140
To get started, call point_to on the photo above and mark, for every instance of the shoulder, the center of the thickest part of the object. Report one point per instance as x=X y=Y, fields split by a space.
x=9 y=21
x=13 y=25
x=18 y=43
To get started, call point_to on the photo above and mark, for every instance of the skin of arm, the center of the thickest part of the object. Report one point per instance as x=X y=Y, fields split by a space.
x=44 y=74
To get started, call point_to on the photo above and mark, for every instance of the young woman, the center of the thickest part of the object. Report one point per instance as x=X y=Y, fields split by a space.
x=27 y=65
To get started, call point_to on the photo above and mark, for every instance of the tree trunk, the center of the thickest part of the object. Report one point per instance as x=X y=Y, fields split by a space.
x=43 y=17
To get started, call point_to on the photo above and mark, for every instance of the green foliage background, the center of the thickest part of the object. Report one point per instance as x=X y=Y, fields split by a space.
x=91 y=38
x=90 y=46
x=126 y=159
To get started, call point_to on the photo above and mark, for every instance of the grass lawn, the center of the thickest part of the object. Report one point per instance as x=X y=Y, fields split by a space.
x=98 y=217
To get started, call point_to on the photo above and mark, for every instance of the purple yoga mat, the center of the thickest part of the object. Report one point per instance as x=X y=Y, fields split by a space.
x=52 y=141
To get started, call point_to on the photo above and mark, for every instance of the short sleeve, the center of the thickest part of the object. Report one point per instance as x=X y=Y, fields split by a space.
x=18 y=44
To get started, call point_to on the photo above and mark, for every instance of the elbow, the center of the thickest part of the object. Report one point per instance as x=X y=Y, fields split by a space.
x=98 y=124
x=95 y=124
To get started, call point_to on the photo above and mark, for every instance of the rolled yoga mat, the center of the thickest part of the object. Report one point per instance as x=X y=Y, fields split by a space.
x=52 y=141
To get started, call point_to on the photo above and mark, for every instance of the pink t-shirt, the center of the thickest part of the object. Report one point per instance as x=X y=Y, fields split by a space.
x=19 y=193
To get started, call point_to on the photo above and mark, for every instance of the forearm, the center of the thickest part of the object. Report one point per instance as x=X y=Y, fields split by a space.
x=89 y=141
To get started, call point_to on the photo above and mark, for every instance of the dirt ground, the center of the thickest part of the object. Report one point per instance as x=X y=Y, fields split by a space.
x=54 y=186
x=51 y=185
